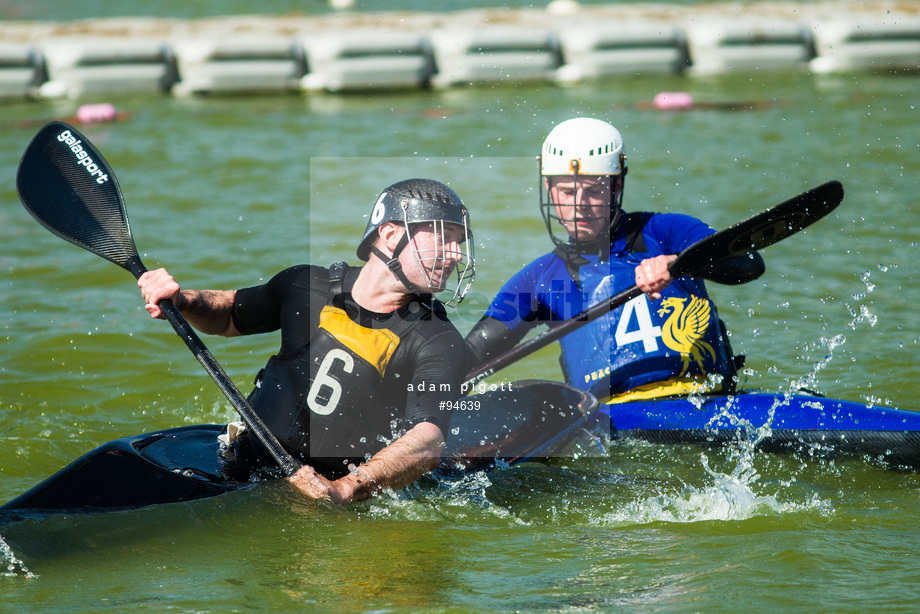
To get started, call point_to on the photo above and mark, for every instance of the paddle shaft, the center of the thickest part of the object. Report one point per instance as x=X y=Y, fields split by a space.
x=759 y=231
x=546 y=337
x=287 y=463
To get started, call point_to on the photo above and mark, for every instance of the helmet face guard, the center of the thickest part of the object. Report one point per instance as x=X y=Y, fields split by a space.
x=562 y=216
x=447 y=266
x=445 y=260
x=589 y=155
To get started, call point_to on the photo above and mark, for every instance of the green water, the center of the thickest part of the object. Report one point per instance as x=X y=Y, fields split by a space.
x=225 y=192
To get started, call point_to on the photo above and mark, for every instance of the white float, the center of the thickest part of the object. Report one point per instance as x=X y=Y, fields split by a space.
x=367 y=59
x=239 y=65
x=611 y=49
x=79 y=66
x=846 y=45
x=21 y=70
x=495 y=53
x=745 y=45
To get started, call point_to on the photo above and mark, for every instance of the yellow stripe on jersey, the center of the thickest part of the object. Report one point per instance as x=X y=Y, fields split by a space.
x=376 y=346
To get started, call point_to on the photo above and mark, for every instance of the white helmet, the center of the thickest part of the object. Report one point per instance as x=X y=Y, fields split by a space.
x=583 y=146
x=587 y=147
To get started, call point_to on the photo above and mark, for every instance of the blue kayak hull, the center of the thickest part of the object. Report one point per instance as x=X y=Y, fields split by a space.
x=780 y=423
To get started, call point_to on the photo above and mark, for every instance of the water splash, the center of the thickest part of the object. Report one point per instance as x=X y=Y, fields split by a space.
x=469 y=489
x=729 y=497
x=870 y=287
x=456 y=498
x=736 y=494
x=732 y=495
x=733 y=492
x=588 y=444
x=863 y=314
x=14 y=566
x=810 y=380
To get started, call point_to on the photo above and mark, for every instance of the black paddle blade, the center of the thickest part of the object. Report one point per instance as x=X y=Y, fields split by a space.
x=761 y=230
x=66 y=184
x=69 y=188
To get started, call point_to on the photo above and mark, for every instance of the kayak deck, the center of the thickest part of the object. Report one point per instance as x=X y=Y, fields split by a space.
x=178 y=464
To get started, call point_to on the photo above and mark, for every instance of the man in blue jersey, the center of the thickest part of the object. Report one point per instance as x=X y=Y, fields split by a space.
x=667 y=341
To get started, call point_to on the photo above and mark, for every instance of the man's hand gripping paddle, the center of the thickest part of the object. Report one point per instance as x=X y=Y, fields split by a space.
x=752 y=234
x=66 y=184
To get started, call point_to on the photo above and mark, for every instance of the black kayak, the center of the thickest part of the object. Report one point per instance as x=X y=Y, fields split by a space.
x=530 y=420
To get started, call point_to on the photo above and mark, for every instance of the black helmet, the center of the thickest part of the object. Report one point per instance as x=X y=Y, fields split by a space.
x=413 y=201
x=419 y=201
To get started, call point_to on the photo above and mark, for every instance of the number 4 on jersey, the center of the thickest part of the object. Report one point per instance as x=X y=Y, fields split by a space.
x=644 y=330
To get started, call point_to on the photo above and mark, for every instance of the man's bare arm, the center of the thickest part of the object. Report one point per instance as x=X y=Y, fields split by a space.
x=397 y=465
x=210 y=311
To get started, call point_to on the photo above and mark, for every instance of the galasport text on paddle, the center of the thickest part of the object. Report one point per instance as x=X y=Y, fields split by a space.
x=755 y=233
x=69 y=188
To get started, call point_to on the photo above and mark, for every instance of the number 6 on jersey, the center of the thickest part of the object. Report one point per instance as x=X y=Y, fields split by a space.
x=326 y=404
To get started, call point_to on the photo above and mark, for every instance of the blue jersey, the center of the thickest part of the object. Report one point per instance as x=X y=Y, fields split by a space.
x=639 y=343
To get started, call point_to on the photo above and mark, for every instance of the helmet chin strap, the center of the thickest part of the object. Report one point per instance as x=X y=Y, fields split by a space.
x=394 y=265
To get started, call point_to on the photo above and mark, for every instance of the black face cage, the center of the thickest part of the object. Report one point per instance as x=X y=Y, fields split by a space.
x=553 y=222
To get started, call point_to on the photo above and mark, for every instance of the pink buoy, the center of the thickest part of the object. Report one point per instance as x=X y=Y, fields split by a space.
x=672 y=101
x=90 y=113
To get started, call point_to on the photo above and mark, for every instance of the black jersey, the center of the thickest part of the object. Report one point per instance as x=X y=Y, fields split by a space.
x=347 y=381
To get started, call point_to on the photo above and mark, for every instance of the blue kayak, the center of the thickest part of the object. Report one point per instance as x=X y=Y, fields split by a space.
x=776 y=422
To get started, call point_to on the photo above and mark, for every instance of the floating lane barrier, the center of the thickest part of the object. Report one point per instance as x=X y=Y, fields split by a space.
x=609 y=49
x=846 y=46
x=496 y=53
x=717 y=47
x=22 y=70
x=81 y=66
x=563 y=43
x=371 y=59
x=239 y=65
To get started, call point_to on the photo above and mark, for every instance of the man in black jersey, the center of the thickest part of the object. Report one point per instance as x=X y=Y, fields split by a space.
x=369 y=365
